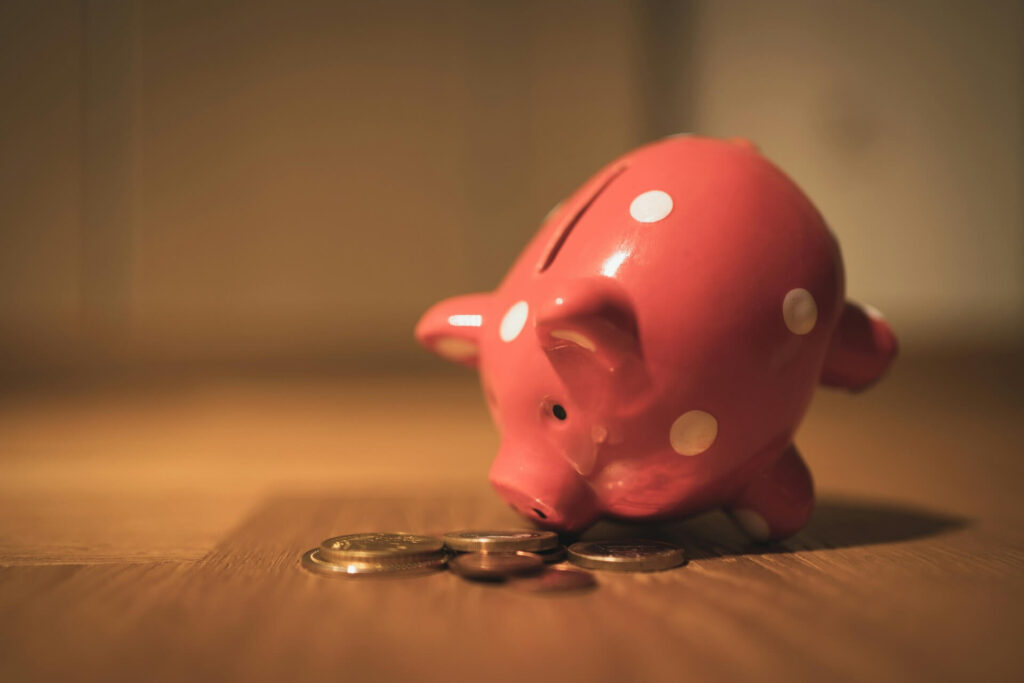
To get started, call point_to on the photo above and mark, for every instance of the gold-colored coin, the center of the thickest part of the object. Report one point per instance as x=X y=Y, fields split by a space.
x=500 y=541
x=626 y=555
x=379 y=547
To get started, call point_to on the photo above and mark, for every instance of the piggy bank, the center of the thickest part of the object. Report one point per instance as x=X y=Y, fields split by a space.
x=653 y=349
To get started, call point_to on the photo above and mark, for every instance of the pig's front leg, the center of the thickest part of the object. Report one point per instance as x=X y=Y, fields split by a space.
x=778 y=502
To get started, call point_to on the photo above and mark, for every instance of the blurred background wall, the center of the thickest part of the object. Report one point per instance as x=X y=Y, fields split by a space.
x=272 y=183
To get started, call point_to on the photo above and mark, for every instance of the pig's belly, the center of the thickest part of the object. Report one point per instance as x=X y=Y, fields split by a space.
x=664 y=486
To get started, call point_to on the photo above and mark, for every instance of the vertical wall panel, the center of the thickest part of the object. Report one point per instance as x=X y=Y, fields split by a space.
x=108 y=143
x=40 y=174
x=316 y=174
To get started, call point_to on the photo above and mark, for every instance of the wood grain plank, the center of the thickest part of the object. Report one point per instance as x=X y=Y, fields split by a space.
x=155 y=535
x=934 y=599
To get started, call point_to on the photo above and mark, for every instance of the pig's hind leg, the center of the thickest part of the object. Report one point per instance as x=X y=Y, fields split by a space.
x=778 y=502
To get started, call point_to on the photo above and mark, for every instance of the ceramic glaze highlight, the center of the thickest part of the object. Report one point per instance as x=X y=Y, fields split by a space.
x=653 y=349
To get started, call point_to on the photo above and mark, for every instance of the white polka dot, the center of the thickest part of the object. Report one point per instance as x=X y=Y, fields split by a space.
x=799 y=311
x=465 y=320
x=455 y=348
x=514 y=321
x=872 y=312
x=693 y=432
x=744 y=143
x=651 y=206
x=752 y=523
x=552 y=212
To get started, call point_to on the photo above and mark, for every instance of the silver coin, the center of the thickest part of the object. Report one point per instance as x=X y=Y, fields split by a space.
x=314 y=562
x=379 y=547
x=555 y=580
x=494 y=566
x=626 y=555
x=505 y=541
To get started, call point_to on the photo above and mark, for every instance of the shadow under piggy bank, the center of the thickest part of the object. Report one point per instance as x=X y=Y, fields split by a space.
x=837 y=522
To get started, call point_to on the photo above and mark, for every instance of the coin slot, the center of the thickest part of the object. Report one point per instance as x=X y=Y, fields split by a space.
x=539 y=513
x=562 y=234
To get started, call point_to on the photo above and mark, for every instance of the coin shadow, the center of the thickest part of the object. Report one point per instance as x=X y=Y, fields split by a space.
x=837 y=522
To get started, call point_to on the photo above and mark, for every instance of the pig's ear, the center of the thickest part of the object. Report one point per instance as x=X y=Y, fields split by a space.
x=863 y=345
x=452 y=328
x=589 y=331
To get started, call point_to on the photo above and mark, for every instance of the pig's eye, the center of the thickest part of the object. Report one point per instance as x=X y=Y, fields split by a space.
x=559 y=411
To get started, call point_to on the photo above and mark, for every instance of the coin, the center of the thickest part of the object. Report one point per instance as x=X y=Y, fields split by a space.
x=554 y=580
x=626 y=555
x=314 y=562
x=556 y=554
x=379 y=547
x=487 y=541
x=494 y=566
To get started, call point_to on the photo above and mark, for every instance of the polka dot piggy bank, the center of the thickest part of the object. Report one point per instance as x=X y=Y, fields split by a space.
x=654 y=348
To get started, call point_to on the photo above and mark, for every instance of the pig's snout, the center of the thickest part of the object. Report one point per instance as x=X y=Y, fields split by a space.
x=548 y=493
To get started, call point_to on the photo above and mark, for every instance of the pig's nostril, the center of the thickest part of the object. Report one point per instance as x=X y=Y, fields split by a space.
x=539 y=513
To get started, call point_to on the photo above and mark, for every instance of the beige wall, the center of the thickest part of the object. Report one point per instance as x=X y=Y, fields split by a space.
x=903 y=121
x=249 y=181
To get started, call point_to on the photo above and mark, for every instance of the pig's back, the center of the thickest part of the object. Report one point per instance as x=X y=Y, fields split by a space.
x=726 y=262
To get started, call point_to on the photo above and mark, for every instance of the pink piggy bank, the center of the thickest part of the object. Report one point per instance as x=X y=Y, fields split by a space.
x=654 y=348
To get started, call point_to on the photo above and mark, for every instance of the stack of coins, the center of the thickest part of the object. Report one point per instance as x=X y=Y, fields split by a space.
x=518 y=558
x=528 y=540
x=375 y=553
x=525 y=559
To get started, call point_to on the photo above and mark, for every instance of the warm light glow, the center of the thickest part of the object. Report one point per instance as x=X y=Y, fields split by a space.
x=612 y=263
x=575 y=338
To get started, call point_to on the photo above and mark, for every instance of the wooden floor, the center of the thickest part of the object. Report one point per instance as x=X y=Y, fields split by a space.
x=153 y=532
